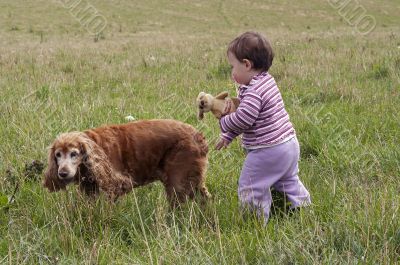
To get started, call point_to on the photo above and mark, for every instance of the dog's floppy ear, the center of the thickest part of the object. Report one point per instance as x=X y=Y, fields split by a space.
x=222 y=95
x=51 y=180
x=100 y=170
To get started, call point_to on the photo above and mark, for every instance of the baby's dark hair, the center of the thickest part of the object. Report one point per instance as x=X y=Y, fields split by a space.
x=253 y=47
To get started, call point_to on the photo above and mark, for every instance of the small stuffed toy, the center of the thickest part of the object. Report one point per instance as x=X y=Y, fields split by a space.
x=216 y=105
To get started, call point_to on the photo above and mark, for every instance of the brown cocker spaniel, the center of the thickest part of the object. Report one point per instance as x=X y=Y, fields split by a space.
x=116 y=158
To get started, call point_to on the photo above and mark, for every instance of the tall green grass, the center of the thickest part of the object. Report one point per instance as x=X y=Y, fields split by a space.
x=341 y=90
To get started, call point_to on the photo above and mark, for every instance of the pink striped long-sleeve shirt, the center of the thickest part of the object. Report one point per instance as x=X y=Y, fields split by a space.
x=261 y=115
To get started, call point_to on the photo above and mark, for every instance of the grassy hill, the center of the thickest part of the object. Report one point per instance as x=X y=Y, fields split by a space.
x=341 y=88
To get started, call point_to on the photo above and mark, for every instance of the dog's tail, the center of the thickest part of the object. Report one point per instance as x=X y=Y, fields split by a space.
x=201 y=142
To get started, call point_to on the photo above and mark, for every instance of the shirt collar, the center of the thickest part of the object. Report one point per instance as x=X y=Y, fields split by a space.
x=254 y=80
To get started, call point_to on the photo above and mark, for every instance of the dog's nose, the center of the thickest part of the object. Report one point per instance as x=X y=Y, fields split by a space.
x=202 y=102
x=63 y=174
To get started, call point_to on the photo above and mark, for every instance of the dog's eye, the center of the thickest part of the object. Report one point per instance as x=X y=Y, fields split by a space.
x=58 y=155
x=74 y=154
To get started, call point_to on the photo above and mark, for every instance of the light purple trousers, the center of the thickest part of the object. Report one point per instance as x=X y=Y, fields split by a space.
x=277 y=167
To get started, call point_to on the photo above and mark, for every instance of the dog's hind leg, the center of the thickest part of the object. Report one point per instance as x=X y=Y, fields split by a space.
x=176 y=186
x=185 y=176
x=200 y=178
x=204 y=192
x=175 y=197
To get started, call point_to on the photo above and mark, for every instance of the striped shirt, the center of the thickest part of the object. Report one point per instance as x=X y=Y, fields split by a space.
x=261 y=115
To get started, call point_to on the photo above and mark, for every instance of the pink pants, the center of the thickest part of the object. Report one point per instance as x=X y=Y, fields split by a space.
x=277 y=167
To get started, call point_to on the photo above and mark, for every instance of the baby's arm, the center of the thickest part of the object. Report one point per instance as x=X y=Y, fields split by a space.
x=245 y=115
x=229 y=136
x=229 y=108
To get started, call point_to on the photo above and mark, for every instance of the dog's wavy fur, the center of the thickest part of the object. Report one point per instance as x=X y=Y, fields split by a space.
x=116 y=158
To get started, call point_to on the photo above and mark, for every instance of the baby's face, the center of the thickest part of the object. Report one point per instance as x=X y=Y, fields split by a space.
x=240 y=70
x=204 y=101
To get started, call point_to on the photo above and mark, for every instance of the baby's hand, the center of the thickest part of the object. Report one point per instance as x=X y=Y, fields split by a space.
x=221 y=144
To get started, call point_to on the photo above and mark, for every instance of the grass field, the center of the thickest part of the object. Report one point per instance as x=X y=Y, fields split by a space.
x=341 y=89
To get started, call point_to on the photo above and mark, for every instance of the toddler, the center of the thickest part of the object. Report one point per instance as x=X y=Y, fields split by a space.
x=268 y=135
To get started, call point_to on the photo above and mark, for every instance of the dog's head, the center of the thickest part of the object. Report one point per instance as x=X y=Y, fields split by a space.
x=204 y=103
x=65 y=156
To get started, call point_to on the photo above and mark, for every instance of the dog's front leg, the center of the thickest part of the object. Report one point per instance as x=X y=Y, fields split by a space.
x=116 y=186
